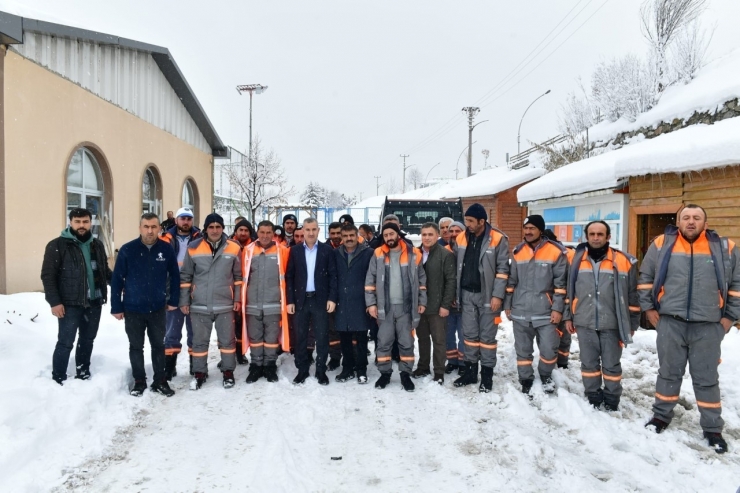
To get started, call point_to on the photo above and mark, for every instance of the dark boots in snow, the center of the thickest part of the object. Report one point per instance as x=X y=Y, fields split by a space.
x=170 y=367
x=469 y=377
x=486 y=379
x=255 y=373
x=406 y=382
x=162 y=388
x=138 y=388
x=270 y=372
x=229 y=379
x=716 y=442
x=383 y=381
x=658 y=425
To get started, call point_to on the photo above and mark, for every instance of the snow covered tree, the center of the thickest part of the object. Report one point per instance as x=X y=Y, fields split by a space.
x=689 y=52
x=261 y=180
x=578 y=112
x=314 y=195
x=391 y=186
x=662 y=22
x=414 y=178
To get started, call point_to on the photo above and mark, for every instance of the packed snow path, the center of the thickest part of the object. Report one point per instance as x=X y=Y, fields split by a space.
x=278 y=437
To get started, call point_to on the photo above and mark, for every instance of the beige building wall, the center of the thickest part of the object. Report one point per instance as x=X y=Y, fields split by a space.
x=47 y=118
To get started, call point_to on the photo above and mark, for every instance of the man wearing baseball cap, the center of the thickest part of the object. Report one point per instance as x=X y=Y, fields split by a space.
x=178 y=236
x=535 y=301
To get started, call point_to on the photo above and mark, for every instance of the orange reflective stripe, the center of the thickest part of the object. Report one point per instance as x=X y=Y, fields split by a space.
x=590 y=374
x=256 y=344
x=185 y=285
x=383 y=359
x=423 y=288
x=644 y=286
x=171 y=351
x=549 y=361
x=559 y=291
x=710 y=405
x=502 y=276
x=472 y=343
x=238 y=283
x=369 y=288
x=190 y=350
x=673 y=398
x=734 y=293
x=635 y=309
x=199 y=355
x=272 y=346
x=497 y=320
x=227 y=351
x=525 y=362
x=563 y=353
x=509 y=290
x=407 y=358
x=612 y=378
x=334 y=343
x=488 y=346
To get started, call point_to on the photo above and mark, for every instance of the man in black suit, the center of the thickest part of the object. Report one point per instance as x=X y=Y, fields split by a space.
x=311 y=282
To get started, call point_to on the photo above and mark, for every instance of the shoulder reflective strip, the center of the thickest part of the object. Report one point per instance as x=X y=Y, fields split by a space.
x=199 y=355
x=488 y=346
x=549 y=361
x=635 y=309
x=734 y=293
x=525 y=362
x=559 y=291
x=472 y=343
x=502 y=276
x=612 y=378
x=659 y=241
x=710 y=405
x=185 y=285
x=667 y=398
x=590 y=374
x=227 y=351
x=644 y=286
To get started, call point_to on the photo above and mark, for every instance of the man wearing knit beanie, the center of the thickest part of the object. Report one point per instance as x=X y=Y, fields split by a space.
x=482 y=253
x=535 y=301
x=290 y=223
x=212 y=264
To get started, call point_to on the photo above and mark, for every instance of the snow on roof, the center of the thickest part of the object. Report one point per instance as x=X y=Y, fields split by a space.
x=715 y=84
x=492 y=181
x=694 y=148
x=432 y=192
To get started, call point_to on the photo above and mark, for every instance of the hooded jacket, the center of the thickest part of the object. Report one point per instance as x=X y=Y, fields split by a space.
x=413 y=277
x=697 y=282
x=211 y=281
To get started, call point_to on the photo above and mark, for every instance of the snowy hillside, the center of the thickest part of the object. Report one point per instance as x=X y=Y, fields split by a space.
x=92 y=436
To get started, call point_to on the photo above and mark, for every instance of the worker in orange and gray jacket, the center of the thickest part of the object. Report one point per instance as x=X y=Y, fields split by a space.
x=690 y=291
x=210 y=291
x=565 y=337
x=602 y=306
x=535 y=301
x=482 y=253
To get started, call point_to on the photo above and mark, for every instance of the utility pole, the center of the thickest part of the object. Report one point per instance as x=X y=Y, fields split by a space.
x=471 y=111
x=404 y=156
x=250 y=88
x=377 y=185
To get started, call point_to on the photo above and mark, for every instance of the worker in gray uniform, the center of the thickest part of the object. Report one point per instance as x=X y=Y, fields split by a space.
x=689 y=289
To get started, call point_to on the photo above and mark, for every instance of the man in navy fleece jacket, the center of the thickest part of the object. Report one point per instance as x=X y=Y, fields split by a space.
x=139 y=295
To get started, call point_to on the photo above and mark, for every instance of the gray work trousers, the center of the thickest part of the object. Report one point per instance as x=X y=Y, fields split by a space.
x=479 y=329
x=202 y=325
x=396 y=324
x=263 y=332
x=432 y=328
x=548 y=340
x=697 y=343
x=564 y=347
x=600 y=359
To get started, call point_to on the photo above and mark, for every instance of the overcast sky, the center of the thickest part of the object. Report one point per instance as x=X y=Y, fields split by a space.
x=354 y=84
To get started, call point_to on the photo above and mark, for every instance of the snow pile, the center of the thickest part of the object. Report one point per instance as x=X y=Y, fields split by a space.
x=697 y=147
x=343 y=437
x=46 y=429
x=492 y=181
x=714 y=85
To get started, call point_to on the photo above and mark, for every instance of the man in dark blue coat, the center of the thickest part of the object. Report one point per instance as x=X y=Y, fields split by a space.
x=139 y=295
x=311 y=289
x=352 y=320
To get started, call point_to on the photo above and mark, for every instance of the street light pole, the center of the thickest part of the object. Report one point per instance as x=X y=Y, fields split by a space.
x=519 y=132
x=471 y=111
x=251 y=88
x=430 y=170
x=457 y=166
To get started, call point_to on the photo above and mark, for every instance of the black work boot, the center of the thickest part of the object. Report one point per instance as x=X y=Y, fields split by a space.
x=191 y=365
x=198 y=380
x=658 y=425
x=406 y=382
x=450 y=368
x=383 y=381
x=421 y=373
x=486 y=379
x=255 y=373
x=162 y=388
x=240 y=358
x=229 y=381
x=170 y=367
x=347 y=374
x=595 y=398
x=334 y=363
x=716 y=441
x=548 y=386
x=469 y=377
x=527 y=387
x=270 y=372
x=138 y=388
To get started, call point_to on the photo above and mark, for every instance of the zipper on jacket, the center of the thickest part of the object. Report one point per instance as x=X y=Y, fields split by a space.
x=691 y=281
x=595 y=266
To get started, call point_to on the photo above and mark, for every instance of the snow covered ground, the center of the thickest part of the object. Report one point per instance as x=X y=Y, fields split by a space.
x=92 y=436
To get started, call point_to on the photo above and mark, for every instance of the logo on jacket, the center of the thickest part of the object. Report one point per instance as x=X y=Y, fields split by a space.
x=160 y=258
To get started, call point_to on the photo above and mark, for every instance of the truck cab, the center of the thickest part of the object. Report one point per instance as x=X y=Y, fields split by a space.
x=414 y=213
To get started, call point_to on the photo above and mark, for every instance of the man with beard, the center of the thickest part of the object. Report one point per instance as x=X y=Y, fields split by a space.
x=243 y=236
x=366 y=232
x=75 y=275
x=352 y=319
x=690 y=291
x=290 y=223
x=482 y=253
x=298 y=236
x=602 y=306
x=210 y=290
x=179 y=236
x=395 y=295
x=455 y=339
x=169 y=222
x=146 y=270
x=535 y=301
x=264 y=265
x=335 y=235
